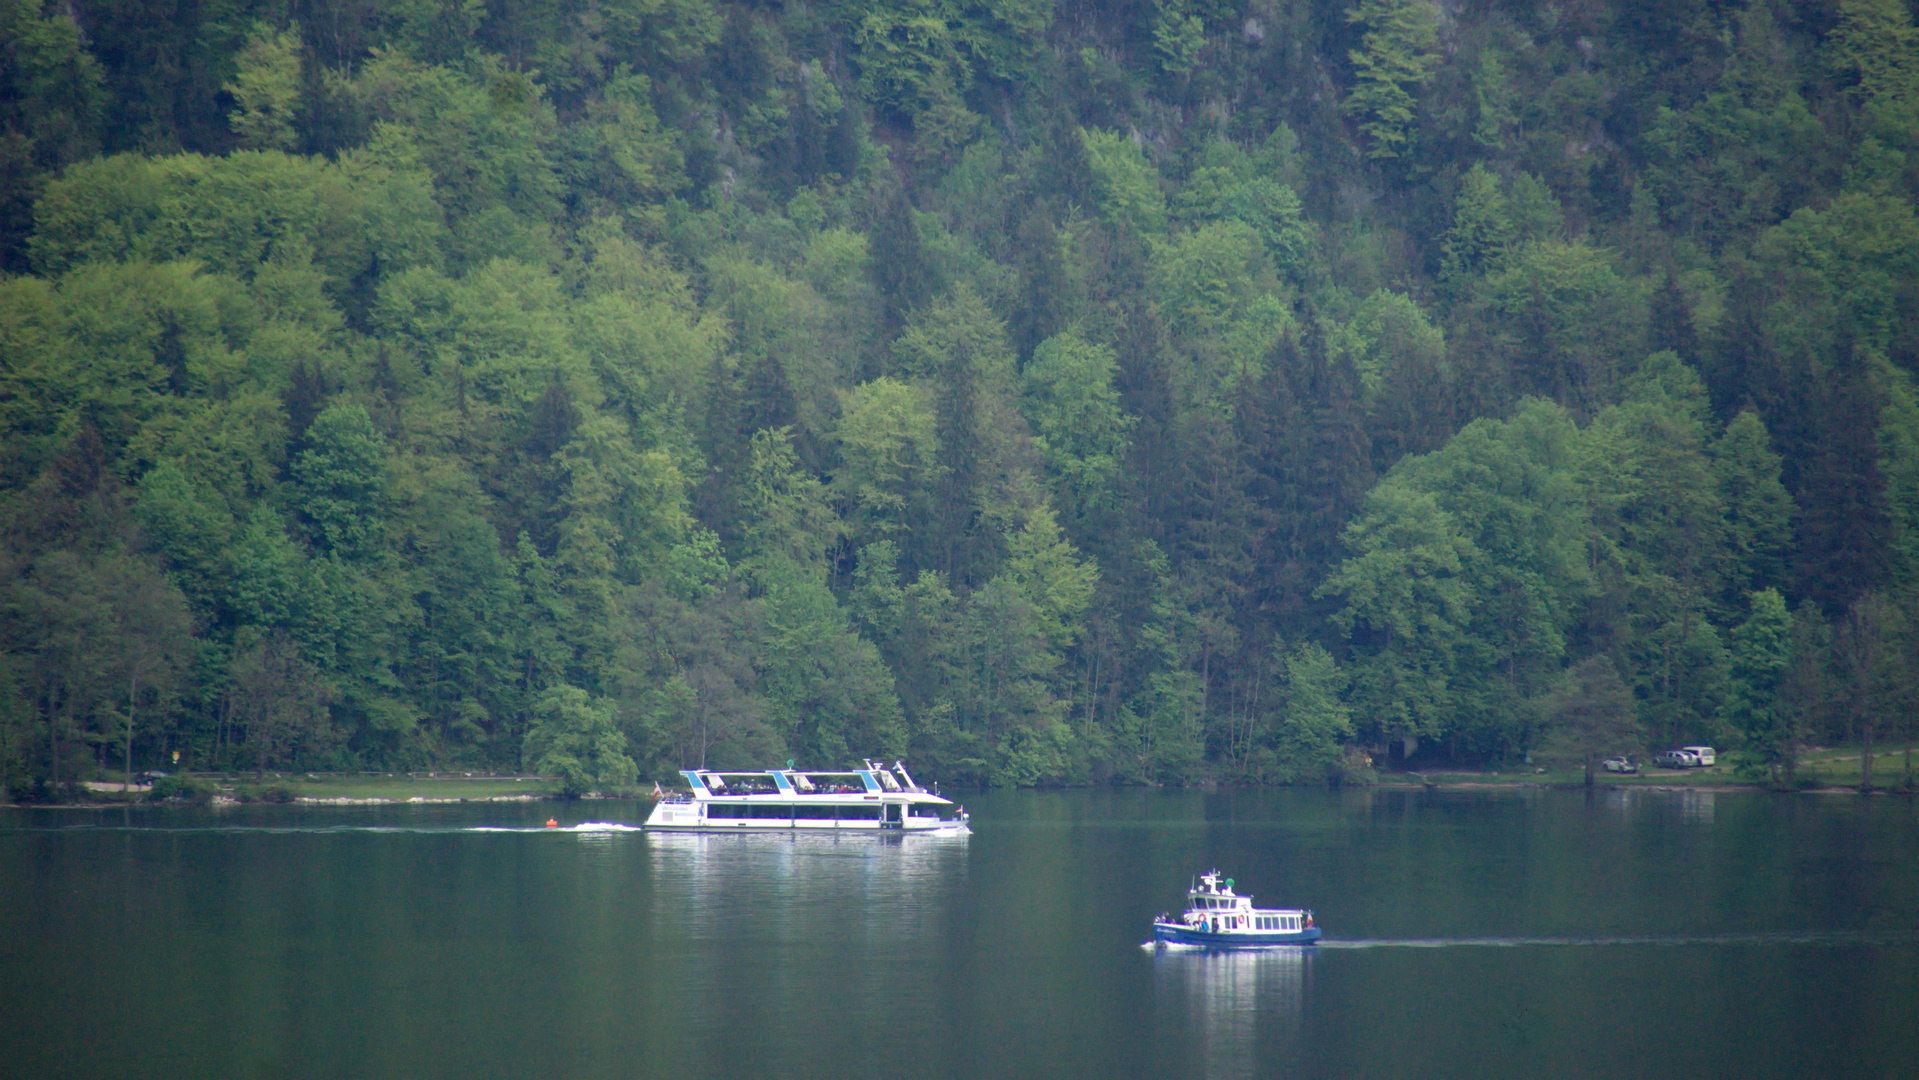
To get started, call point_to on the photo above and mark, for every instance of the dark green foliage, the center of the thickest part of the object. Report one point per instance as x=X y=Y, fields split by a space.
x=1051 y=393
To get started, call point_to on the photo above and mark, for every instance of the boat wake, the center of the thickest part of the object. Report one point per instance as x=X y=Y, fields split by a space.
x=1796 y=937
x=1784 y=937
x=600 y=827
x=582 y=827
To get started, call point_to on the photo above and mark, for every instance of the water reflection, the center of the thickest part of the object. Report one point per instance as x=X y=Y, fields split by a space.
x=801 y=881
x=1242 y=1009
x=803 y=930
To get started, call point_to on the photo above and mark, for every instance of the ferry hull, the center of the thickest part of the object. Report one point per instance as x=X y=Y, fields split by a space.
x=1181 y=934
x=779 y=826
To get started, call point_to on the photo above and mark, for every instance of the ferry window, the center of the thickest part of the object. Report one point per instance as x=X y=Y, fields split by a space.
x=814 y=812
x=924 y=810
x=773 y=810
x=725 y=810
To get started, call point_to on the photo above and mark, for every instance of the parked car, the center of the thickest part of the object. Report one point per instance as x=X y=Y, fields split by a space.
x=1703 y=753
x=1620 y=764
x=1675 y=759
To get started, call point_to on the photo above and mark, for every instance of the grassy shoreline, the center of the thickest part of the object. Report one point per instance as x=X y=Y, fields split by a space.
x=1834 y=770
x=373 y=789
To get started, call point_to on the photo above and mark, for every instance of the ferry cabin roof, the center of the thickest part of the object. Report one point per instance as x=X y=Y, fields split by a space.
x=871 y=782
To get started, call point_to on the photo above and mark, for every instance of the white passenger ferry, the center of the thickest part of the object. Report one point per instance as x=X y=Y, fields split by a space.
x=873 y=798
x=1218 y=917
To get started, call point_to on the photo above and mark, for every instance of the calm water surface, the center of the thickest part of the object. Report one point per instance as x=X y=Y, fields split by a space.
x=1469 y=934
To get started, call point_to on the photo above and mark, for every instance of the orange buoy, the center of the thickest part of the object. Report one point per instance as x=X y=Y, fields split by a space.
x=552 y=823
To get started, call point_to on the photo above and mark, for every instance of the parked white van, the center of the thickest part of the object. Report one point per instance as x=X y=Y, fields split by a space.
x=1703 y=753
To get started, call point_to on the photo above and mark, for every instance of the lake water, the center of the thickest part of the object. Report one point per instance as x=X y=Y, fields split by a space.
x=1470 y=934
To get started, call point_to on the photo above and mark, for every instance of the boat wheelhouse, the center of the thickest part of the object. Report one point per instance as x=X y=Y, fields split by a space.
x=1220 y=918
x=873 y=798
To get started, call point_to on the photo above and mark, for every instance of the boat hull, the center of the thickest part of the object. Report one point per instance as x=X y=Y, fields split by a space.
x=1181 y=934
x=776 y=825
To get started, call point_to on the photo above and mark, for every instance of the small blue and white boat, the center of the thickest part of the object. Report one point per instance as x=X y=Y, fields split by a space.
x=1219 y=918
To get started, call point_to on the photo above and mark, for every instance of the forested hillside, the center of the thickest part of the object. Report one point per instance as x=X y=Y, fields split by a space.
x=1041 y=392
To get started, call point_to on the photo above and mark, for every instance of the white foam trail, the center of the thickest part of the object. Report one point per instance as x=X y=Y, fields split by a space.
x=601 y=826
x=1789 y=937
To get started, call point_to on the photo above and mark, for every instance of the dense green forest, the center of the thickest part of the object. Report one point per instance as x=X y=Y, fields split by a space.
x=1043 y=392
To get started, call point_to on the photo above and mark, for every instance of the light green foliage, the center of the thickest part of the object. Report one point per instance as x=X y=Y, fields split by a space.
x=828 y=690
x=958 y=335
x=233 y=214
x=116 y=341
x=1127 y=185
x=1046 y=570
x=1178 y=37
x=786 y=512
x=269 y=579
x=573 y=737
x=910 y=59
x=1875 y=49
x=1575 y=318
x=1069 y=401
x=890 y=453
x=265 y=89
x=1217 y=295
x=1493 y=100
x=484 y=140
x=188 y=525
x=625 y=504
x=501 y=325
x=631 y=156
x=1396 y=57
x=340 y=476
x=1316 y=724
x=1469 y=558
x=1388 y=330
x=1483 y=231
x=1856 y=255
x=1228 y=187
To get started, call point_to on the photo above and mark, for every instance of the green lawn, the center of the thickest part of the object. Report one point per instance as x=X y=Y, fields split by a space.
x=1839 y=766
x=1828 y=767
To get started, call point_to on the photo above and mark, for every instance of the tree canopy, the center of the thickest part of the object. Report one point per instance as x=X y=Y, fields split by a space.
x=1063 y=392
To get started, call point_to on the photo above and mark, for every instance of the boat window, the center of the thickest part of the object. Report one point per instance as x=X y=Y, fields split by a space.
x=815 y=812
x=930 y=810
